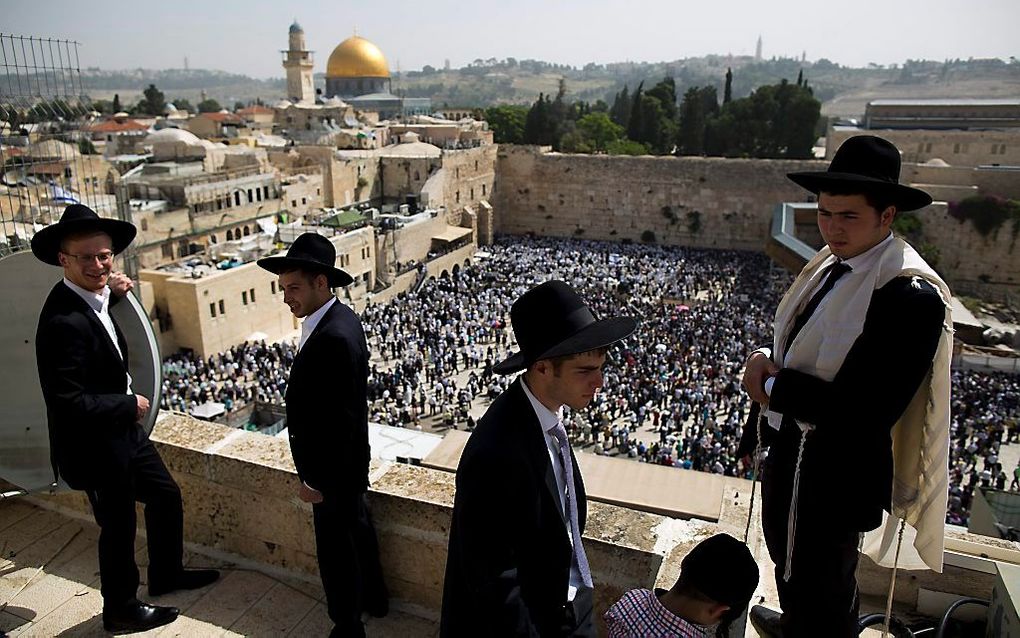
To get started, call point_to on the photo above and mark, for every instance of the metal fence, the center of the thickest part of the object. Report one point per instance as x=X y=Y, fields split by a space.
x=46 y=152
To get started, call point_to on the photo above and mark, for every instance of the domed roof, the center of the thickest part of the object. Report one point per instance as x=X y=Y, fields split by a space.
x=296 y=28
x=170 y=135
x=356 y=57
x=53 y=149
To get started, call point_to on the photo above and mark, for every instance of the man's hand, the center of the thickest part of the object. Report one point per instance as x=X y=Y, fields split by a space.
x=309 y=495
x=120 y=284
x=142 y=409
x=758 y=369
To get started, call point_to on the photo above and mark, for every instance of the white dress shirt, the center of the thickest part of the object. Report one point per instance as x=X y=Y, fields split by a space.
x=100 y=304
x=858 y=264
x=548 y=420
x=312 y=320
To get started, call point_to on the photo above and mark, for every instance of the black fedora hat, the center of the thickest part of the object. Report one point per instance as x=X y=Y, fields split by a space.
x=78 y=218
x=551 y=320
x=870 y=163
x=311 y=252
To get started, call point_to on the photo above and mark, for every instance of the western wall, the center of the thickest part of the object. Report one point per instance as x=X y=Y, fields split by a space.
x=713 y=203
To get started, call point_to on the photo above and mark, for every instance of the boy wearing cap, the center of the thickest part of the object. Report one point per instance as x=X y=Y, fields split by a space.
x=327 y=424
x=97 y=443
x=858 y=371
x=717 y=579
x=516 y=564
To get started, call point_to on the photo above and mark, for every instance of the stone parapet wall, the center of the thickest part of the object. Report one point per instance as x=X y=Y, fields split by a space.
x=240 y=502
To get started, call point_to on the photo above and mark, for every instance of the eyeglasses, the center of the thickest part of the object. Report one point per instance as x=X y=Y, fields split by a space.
x=104 y=257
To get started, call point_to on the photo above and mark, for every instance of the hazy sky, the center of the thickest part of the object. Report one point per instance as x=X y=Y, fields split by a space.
x=245 y=37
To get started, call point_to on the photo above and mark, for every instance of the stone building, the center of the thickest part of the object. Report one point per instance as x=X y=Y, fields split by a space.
x=226 y=298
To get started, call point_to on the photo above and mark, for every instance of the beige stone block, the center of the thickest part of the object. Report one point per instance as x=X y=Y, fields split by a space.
x=13 y=510
x=275 y=614
x=415 y=562
x=315 y=623
x=244 y=474
x=236 y=594
x=78 y=616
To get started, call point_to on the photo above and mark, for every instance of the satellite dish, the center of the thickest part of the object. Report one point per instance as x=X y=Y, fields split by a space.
x=24 y=436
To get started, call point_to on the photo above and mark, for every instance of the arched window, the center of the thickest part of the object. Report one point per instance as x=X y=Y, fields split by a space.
x=246 y=231
x=230 y=235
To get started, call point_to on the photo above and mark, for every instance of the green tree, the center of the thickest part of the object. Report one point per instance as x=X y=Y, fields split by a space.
x=599 y=130
x=154 y=102
x=183 y=104
x=699 y=105
x=117 y=108
x=239 y=105
x=209 y=105
x=507 y=123
x=635 y=123
x=537 y=127
x=624 y=146
x=728 y=89
x=86 y=147
x=620 y=111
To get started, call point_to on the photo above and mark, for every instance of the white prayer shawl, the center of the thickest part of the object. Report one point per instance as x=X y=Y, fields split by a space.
x=920 y=437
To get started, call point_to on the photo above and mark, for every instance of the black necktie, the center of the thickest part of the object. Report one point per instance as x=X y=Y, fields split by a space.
x=836 y=271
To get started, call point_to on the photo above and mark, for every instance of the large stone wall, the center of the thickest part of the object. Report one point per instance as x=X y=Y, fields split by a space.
x=711 y=203
x=724 y=203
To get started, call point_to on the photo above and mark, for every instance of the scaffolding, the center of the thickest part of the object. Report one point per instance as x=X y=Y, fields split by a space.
x=47 y=155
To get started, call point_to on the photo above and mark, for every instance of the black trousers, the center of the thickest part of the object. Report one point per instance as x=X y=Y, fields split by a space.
x=145 y=480
x=821 y=597
x=348 y=554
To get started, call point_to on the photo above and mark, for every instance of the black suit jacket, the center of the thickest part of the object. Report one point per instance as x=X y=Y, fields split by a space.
x=84 y=382
x=327 y=405
x=847 y=468
x=510 y=554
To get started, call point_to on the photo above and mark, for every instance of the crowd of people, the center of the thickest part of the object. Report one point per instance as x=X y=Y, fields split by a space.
x=244 y=374
x=985 y=413
x=672 y=391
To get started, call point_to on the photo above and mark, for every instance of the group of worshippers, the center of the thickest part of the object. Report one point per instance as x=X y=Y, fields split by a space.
x=244 y=374
x=859 y=358
x=986 y=416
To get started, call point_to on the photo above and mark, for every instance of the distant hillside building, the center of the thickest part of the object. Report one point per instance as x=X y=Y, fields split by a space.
x=962 y=114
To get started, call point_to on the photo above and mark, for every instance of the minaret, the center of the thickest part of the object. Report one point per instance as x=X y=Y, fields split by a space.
x=298 y=64
x=757 y=49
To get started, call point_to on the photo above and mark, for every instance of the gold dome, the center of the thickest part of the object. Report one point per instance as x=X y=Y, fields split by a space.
x=356 y=57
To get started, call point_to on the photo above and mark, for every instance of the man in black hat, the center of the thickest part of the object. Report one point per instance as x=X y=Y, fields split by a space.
x=327 y=422
x=717 y=578
x=858 y=336
x=516 y=563
x=96 y=441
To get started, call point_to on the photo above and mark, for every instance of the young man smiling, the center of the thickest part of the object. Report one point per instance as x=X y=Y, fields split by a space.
x=860 y=359
x=97 y=442
x=516 y=563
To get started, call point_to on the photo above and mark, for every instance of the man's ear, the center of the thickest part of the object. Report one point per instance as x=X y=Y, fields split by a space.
x=716 y=611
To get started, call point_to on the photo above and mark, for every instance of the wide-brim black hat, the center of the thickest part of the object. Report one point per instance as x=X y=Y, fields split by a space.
x=551 y=320
x=870 y=163
x=311 y=252
x=78 y=218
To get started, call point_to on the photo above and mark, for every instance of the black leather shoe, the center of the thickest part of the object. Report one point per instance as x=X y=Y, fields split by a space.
x=137 y=616
x=187 y=579
x=766 y=622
